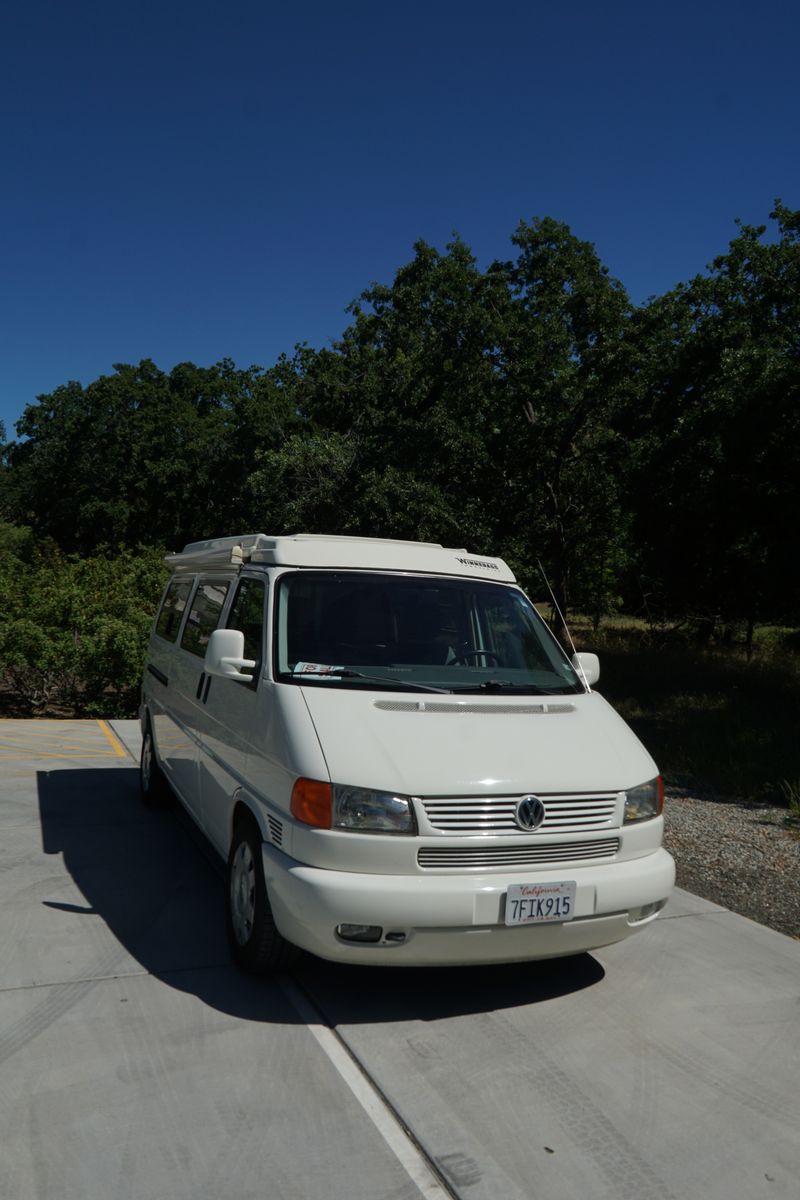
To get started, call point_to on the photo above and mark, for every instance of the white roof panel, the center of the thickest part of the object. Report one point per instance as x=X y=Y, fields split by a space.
x=328 y=551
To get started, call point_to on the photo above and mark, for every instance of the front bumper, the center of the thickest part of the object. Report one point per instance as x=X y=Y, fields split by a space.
x=452 y=920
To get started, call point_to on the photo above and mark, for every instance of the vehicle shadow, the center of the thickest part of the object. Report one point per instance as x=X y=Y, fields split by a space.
x=159 y=890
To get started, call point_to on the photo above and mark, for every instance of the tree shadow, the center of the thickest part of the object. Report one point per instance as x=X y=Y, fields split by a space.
x=158 y=886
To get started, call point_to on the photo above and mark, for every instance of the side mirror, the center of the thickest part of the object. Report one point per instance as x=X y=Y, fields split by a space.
x=225 y=655
x=587 y=666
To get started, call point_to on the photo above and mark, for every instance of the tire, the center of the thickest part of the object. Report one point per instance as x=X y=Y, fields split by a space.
x=255 y=944
x=153 y=787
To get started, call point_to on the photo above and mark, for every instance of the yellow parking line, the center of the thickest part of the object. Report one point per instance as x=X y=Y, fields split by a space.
x=58 y=739
x=119 y=749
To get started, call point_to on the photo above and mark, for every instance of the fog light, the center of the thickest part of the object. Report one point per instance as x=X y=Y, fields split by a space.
x=647 y=910
x=359 y=933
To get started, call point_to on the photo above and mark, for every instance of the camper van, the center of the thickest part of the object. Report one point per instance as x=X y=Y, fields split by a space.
x=395 y=757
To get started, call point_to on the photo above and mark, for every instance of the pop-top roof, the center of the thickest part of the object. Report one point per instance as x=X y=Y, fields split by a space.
x=323 y=550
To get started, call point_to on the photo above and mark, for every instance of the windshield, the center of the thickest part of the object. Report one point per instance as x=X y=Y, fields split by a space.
x=358 y=629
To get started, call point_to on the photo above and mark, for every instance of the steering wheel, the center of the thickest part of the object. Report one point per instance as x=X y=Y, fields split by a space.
x=462 y=658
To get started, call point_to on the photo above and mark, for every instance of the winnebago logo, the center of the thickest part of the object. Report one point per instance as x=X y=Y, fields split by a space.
x=477 y=562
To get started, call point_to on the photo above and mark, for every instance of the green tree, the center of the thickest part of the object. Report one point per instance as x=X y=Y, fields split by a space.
x=559 y=426
x=526 y=409
x=394 y=416
x=142 y=457
x=716 y=494
x=479 y=408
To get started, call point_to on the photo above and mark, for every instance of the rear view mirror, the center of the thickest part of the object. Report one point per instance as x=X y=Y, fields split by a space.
x=587 y=666
x=225 y=655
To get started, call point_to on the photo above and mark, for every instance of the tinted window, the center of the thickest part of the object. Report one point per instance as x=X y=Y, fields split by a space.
x=247 y=614
x=169 y=619
x=448 y=633
x=203 y=616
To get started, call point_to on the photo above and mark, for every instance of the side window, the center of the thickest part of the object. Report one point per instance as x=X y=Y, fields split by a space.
x=247 y=614
x=203 y=616
x=169 y=619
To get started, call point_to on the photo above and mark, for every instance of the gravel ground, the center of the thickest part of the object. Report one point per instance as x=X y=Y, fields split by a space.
x=742 y=856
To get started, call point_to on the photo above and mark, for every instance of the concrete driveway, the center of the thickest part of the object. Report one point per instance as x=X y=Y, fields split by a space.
x=136 y=1063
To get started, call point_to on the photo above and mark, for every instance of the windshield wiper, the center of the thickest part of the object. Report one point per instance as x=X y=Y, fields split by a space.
x=349 y=673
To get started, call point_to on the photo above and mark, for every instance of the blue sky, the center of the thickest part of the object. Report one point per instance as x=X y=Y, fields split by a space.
x=189 y=181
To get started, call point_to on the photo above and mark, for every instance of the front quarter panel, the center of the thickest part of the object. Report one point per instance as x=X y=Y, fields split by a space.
x=285 y=747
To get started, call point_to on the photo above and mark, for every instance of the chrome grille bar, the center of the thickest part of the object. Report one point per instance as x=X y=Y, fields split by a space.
x=495 y=814
x=453 y=857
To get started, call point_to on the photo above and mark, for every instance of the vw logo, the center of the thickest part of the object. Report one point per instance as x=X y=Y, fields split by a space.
x=529 y=813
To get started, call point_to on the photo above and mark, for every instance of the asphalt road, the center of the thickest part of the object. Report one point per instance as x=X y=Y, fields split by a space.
x=135 y=1063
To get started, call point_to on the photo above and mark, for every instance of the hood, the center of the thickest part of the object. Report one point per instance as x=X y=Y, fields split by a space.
x=425 y=745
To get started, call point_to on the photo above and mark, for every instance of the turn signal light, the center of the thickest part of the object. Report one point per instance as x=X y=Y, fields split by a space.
x=311 y=803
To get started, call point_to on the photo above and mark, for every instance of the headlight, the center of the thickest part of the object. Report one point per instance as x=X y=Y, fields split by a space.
x=645 y=801
x=365 y=811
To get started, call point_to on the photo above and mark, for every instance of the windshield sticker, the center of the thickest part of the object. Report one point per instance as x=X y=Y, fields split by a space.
x=318 y=670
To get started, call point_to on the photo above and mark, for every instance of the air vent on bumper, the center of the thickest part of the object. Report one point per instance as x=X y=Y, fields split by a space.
x=275 y=830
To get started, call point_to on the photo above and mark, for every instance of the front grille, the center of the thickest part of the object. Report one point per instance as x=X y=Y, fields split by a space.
x=454 y=858
x=495 y=814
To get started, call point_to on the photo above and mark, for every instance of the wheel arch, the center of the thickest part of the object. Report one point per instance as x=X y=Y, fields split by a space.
x=244 y=808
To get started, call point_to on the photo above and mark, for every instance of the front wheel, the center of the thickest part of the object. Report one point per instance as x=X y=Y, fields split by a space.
x=255 y=943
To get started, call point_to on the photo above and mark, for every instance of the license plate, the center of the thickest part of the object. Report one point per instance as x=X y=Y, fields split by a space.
x=540 y=903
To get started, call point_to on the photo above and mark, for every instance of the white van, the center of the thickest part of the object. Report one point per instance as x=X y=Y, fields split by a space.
x=396 y=758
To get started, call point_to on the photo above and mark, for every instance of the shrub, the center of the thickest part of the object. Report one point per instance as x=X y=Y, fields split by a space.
x=73 y=631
